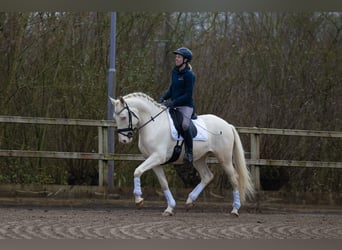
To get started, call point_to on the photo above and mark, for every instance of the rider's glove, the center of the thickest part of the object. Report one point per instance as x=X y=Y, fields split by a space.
x=161 y=100
x=170 y=104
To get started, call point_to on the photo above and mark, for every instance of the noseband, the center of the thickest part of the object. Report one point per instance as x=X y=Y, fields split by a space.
x=130 y=128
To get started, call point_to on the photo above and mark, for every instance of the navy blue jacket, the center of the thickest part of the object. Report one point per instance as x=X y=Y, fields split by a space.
x=181 y=88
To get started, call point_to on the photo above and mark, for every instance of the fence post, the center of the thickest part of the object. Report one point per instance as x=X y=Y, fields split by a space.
x=103 y=164
x=255 y=155
x=105 y=150
x=100 y=146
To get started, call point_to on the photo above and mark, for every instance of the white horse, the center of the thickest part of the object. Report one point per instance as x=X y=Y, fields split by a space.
x=139 y=112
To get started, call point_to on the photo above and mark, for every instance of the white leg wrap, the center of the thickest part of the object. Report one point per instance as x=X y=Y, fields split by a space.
x=169 y=198
x=236 y=203
x=196 y=192
x=137 y=187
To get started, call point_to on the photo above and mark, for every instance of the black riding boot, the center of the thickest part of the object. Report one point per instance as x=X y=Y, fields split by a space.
x=188 y=146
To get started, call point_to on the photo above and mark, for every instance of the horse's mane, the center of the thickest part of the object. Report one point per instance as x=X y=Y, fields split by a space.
x=142 y=95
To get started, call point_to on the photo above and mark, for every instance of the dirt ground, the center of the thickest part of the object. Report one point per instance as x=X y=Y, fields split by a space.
x=120 y=219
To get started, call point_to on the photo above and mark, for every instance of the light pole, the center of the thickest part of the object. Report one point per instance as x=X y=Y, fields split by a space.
x=111 y=92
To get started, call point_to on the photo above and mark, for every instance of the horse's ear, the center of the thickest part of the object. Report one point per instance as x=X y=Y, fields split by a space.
x=122 y=100
x=112 y=100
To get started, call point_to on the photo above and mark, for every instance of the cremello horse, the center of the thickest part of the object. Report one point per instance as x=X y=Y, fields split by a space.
x=139 y=112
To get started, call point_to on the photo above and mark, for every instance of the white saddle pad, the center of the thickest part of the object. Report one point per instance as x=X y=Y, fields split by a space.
x=202 y=132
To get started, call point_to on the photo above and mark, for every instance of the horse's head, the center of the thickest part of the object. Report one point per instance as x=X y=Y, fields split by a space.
x=126 y=120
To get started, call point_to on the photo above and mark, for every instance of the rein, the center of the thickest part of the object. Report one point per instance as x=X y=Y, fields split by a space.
x=151 y=120
x=130 y=128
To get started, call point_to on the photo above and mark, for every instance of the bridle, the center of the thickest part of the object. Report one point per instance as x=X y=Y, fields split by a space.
x=130 y=128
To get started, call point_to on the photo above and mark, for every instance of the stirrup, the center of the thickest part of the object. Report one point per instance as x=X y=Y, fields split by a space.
x=188 y=158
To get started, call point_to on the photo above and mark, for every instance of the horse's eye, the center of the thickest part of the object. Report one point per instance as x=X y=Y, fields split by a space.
x=122 y=118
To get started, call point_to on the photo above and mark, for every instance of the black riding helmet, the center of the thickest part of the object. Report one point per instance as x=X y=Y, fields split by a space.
x=185 y=52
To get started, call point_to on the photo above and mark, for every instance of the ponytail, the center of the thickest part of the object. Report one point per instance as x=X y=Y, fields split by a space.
x=190 y=67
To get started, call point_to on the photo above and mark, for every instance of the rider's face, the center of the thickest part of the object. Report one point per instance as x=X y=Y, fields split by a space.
x=179 y=60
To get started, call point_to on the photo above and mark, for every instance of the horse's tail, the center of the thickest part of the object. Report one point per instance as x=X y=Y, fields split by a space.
x=246 y=187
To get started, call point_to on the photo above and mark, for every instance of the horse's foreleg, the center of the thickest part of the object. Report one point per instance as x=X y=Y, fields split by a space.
x=143 y=167
x=171 y=203
x=139 y=201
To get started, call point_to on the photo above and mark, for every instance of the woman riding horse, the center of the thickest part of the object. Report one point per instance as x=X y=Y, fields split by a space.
x=137 y=112
x=181 y=94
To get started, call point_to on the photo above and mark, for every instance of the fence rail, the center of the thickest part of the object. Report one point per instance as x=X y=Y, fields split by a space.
x=103 y=156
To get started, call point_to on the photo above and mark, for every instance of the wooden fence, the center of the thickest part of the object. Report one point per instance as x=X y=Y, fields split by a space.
x=103 y=156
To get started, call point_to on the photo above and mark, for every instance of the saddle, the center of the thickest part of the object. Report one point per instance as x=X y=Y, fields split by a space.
x=177 y=118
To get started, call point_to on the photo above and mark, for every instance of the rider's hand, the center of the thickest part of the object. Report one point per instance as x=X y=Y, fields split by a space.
x=170 y=104
x=161 y=100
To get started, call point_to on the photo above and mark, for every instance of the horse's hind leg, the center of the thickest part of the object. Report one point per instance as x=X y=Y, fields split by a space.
x=206 y=177
x=171 y=203
x=233 y=177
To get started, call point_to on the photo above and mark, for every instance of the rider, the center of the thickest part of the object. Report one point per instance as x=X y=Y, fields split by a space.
x=180 y=92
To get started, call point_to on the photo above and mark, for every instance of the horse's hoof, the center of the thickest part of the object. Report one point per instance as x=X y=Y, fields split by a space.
x=235 y=212
x=188 y=206
x=167 y=213
x=140 y=204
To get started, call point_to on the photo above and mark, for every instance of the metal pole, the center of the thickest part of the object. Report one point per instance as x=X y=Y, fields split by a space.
x=111 y=92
